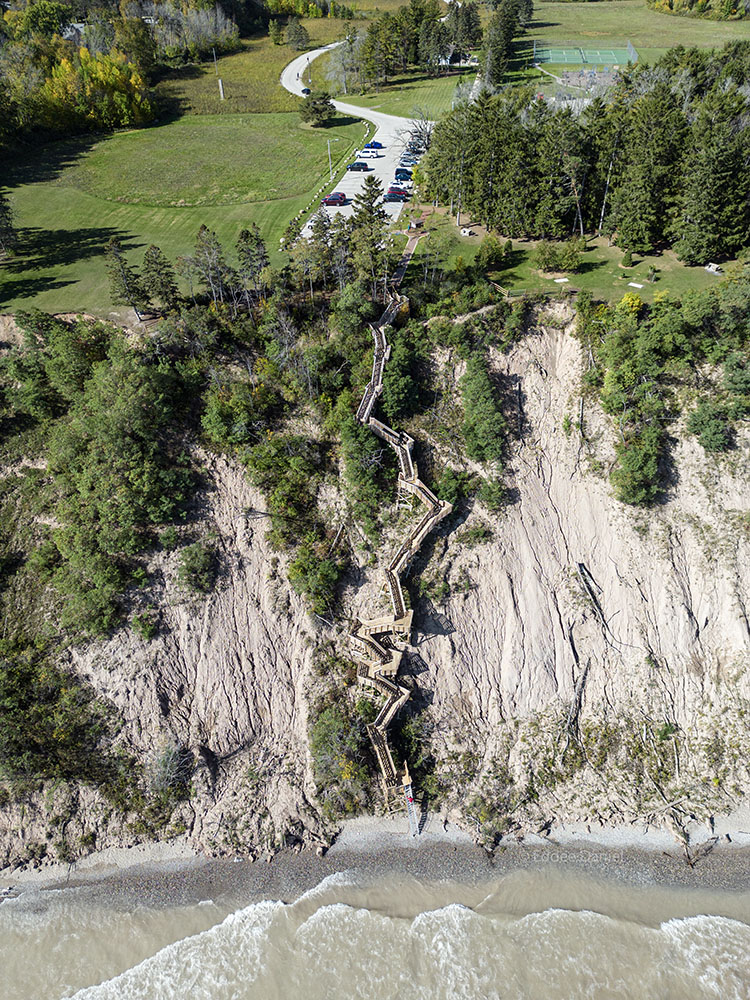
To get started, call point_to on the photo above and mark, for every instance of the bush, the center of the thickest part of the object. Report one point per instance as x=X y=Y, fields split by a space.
x=710 y=425
x=484 y=425
x=197 y=568
x=636 y=480
x=314 y=576
x=493 y=494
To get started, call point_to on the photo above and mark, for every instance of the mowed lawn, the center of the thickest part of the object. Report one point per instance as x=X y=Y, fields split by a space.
x=407 y=94
x=602 y=25
x=157 y=185
x=600 y=273
x=250 y=76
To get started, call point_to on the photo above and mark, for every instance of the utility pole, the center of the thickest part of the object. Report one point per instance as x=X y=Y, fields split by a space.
x=216 y=65
x=330 y=161
x=221 y=88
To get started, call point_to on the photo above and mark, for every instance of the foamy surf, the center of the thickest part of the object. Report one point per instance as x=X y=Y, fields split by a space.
x=269 y=951
x=346 y=938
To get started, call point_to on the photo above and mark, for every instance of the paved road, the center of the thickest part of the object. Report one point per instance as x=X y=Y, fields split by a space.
x=391 y=130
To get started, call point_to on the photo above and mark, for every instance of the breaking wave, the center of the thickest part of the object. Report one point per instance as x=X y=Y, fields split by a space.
x=270 y=950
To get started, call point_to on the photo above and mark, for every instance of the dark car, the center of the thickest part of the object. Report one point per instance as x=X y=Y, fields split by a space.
x=394 y=196
x=359 y=165
x=336 y=198
x=306 y=91
x=402 y=174
x=374 y=145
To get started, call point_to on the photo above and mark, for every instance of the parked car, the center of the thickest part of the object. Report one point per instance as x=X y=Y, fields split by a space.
x=392 y=196
x=306 y=91
x=402 y=174
x=374 y=145
x=359 y=165
x=369 y=154
x=406 y=161
x=335 y=198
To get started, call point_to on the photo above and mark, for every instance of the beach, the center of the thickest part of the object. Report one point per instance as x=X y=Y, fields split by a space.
x=127 y=923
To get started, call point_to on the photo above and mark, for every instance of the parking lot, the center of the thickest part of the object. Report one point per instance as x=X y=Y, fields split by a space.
x=390 y=130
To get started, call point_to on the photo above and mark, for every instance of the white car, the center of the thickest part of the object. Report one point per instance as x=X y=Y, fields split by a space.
x=369 y=154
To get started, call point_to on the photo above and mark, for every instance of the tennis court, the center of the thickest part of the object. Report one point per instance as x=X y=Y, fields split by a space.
x=574 y=55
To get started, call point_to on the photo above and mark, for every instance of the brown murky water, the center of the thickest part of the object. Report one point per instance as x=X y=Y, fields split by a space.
x=532 y=934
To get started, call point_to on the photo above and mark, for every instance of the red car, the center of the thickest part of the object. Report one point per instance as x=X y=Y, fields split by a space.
x=398 y=190
x=337 y=198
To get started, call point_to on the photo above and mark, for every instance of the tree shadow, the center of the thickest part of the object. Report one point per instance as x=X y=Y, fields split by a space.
x=40 y=249
x=45 y=162
x=26 y=288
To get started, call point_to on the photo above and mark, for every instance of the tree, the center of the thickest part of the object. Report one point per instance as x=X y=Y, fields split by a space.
x=297 y=35
x=714 y=202
x=317 y=108
x=125 y=283
x=8 y=235
x=44 y=18
x=502 y=27
x=275 y=33
x=134 y=39
x=484 y=425
x=157 y=274
x=369 y=224
x=253 y=259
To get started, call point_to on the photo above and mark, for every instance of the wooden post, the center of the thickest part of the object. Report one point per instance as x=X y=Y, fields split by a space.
x=221 y=88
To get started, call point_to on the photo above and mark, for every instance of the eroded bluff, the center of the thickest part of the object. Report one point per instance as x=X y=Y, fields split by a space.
x=582 y=660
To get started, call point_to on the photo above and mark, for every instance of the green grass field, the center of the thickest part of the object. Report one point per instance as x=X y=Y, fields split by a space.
x=600 y=274
x=602 y=25
x=401 y=95
x=251 y=76
x=217 y=170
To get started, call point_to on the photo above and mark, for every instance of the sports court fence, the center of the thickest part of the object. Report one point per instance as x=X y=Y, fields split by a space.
x=574 y=55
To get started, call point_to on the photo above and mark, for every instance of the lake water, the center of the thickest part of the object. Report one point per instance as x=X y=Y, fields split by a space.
x=543 y=934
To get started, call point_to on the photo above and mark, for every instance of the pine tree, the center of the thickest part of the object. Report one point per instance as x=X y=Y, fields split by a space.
x=654 y=143
x=275 y=33
x=125 y=283
x=8 y=235
x=714 y=205
x=157 y=274
x=252 y=258
x=369 y=223
x=317 y=108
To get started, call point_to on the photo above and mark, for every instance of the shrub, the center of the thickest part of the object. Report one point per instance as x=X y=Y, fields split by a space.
x=709 y=424
x=493 y=494
x=197 y=568
x=484 y=425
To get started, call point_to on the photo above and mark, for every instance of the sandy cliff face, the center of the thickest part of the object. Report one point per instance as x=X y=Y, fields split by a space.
x=224 y=678
x=577 y=608
x=579 y=599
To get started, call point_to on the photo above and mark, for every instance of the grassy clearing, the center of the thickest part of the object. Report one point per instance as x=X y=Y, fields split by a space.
x=77 y=197
x=600 y=273
x=603 y=25
x=251 y=76
x=196 y=160
x=411 y=91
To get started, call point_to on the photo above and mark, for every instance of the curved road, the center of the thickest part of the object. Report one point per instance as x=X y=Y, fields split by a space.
x=391 y=130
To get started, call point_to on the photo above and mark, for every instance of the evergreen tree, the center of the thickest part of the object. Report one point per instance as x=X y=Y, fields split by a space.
x=317 y=108
x=8 y=235
x=369 y=223
x=125 y=283
x=654 y=144
x=714 y=205
x=297 y=35
x=252 y=257
x=275 y=33
x=157 y=274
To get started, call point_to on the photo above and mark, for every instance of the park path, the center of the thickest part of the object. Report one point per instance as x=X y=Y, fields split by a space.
x=391 y=130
